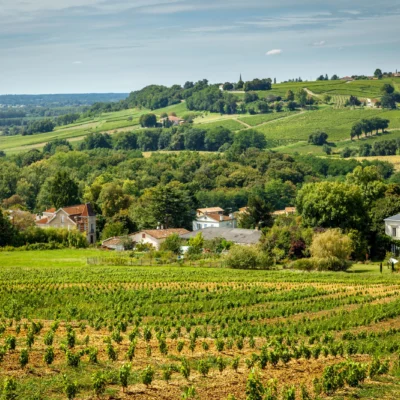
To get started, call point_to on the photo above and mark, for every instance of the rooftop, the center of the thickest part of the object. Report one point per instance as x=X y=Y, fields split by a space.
x=393 y=218
x=236 y=235
x=210 y=210
x=162 y=233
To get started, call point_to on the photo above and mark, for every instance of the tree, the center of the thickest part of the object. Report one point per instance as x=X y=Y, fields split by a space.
x=249 y=138
x=148 y=120
x=194 y=139
x=96 y=141
x=168 y=205
x=63 y=190
x=249 y=97
x=228 y=86
x=217 y=137
x=378 y=73
x=332 y=205
x=387 y=88
x=334 y=77
x=258 y=212
x=318 y=138
x=113 y=229
x=356 y=130
x=388 y=101
x=258 y=84
x=172 y=243
x=112 y=199
x=22 y=220
x=125 y=141
x=331 y=244
x=289 y=95
x=301 y=97
x=247 y=257
x=8 y=234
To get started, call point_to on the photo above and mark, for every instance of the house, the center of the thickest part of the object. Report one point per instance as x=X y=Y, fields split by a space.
x=234 y=235
x=286 y=211
x=174 y=121
x=347 y=78
x=81 y=217
x=392 y=226
x=213 y=217
x=149 y=236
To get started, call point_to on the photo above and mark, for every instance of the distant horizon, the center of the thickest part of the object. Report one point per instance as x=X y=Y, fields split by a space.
x=370 y=73
x=104 y=46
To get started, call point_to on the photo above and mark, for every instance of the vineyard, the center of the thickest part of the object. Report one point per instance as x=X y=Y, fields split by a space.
x=72 y=330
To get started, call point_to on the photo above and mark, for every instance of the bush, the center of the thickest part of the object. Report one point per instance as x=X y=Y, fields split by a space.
x=303 y=264
x=248 y=257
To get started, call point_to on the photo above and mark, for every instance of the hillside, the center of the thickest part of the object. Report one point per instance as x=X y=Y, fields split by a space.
x=285 y=131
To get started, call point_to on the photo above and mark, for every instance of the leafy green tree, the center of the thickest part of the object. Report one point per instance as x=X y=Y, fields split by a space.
x=8 y=234
x=387 y=88
x=378 y=73
x=289 y=95
x=169 y=205
x=258 y=212
x=148 y=120
x=332 y=205
x=125 y=141
x=388 y=101
x=301 y=97
x=172 y=243
x=63 y=190
x=217 y=137
x=318 y=138
x=96 y=141
x=194 y=139
x=113 y=229
x=249 y=138
x=112 y=199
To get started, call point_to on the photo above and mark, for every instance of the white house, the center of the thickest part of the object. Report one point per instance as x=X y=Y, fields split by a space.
x=392 y=226
x=213 y=217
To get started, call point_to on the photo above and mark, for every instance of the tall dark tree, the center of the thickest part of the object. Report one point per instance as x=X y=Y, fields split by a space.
x=8 y=234
x=258 y=211
x=63 y=190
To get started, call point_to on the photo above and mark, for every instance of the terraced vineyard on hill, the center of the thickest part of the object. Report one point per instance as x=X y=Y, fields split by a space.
x=158 y=330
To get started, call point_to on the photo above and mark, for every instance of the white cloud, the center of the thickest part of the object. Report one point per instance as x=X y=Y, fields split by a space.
x=351 y=12
x=274 y=52
x=319 y=44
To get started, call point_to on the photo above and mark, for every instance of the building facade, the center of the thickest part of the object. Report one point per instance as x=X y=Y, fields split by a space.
x=213 y=217
x=81 y=217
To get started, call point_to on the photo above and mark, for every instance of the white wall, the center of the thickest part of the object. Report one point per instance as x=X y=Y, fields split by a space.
x=147 y=239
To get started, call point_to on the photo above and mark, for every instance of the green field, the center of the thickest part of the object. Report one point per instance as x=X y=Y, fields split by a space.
x=281 y=129
x=207 y=326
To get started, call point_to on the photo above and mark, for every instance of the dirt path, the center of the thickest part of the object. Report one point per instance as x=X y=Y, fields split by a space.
x=311 y=93
x=243 y=123
x=277 y=119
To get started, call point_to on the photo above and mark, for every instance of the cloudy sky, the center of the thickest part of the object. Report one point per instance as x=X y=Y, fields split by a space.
x=78 y=46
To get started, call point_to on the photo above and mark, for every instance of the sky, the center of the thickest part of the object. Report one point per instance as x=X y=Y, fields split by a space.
x=89 y=46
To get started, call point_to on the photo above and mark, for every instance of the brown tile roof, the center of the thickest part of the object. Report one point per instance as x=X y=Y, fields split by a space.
x=43 y=221
x=50 y=210
x=217 y=217
x=81 y=209
x=290 y=209
x=164 y=233
x=114 y=241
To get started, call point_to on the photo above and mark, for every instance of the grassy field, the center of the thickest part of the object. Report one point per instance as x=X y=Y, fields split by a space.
x=207 y=327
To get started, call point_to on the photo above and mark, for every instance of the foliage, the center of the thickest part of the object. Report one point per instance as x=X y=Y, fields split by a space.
x=247 y=257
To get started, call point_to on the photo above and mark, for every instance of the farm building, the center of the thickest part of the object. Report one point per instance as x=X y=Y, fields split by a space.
x=81 y=217
x=234 y=235
x=175 y=121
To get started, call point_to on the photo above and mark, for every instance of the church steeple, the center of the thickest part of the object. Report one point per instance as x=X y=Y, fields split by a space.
x=240 y=84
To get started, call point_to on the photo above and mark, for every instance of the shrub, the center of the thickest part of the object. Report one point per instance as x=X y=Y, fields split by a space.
x=70 y=388
x=23 y=358
x=147 y=375
x=124 y=373
x=99 y=382
x=48 y=357
x=203 y=367
x=247 y=257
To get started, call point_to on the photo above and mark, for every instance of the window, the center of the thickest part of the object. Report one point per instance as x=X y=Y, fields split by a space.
x=143 y=236
x=92 y=227
x=394 y=231
x=62 y=219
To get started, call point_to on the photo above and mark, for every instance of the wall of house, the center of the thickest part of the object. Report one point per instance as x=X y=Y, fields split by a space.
x=390 y=226
x=61 y=220
x=202 y=223
x=138 y=238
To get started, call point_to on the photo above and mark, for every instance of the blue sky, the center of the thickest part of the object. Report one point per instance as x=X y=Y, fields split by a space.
x=78 y=46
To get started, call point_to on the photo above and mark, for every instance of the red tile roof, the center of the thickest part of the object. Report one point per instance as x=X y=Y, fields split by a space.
x=43 y=221
x=163 y=233
x=50 y=210
x=217 y=217
x=84 y=210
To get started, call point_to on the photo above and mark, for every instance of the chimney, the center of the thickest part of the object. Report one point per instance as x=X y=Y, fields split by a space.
x=221 y=217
